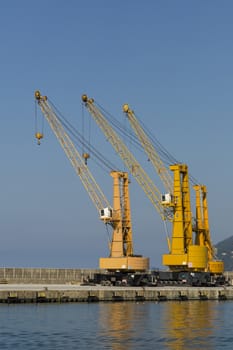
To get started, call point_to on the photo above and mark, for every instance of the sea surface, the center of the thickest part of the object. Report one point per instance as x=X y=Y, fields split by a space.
x=119 y=326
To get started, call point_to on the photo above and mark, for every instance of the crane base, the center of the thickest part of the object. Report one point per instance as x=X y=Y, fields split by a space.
x=126 y=263
x=216 y=267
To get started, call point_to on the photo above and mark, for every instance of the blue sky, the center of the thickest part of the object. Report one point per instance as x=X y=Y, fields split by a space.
x=170 y=60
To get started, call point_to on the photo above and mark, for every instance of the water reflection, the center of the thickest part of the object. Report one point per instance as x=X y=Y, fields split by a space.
x=120 y=324
x=189 y=325
x=170 y=325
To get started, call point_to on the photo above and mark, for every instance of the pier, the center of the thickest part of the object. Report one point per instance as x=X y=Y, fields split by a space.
x=31 y=293
x=42 y=285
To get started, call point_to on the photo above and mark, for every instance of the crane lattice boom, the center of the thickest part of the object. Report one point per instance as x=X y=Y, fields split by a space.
x=160 y=168
x=129 y=160
x=94 y=191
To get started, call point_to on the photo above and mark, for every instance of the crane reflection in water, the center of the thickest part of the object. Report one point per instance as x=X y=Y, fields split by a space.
x=170 y=325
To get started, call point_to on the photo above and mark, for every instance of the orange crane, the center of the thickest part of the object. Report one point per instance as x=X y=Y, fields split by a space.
x=118 y=216
x=184 y=254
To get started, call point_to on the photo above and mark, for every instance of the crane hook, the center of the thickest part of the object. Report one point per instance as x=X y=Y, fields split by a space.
x=86 y=156
x=38 y=136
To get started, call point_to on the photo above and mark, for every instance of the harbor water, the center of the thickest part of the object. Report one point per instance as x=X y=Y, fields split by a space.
x=121 y=325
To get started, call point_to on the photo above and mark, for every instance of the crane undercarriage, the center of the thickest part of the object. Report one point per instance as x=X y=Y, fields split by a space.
x=156 y=278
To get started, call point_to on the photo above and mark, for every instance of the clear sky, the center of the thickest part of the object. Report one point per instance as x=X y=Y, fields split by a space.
x=172 y=61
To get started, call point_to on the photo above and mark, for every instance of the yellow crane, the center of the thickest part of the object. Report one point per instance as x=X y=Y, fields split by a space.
x=201 y=229
x=175 y=206
x=118 y=216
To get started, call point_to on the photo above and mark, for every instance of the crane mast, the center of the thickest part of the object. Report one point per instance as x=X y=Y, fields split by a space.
x=202 y=229
x=119 y=217
x=122 y=235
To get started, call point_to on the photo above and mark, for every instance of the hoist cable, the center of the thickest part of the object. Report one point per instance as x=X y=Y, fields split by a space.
x=166 y=233
x=81 y=140
x=82 y=129
x=108 y=236
x=120 y=128
x=36 y=129
x=164 y=154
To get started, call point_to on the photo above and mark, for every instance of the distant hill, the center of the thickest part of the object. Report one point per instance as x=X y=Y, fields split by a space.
x=225 y=253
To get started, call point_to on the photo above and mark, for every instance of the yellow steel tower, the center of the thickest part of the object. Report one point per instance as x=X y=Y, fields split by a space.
x=203 y=231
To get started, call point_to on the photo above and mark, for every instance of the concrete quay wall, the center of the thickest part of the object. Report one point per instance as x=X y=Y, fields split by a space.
x=71 y=293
